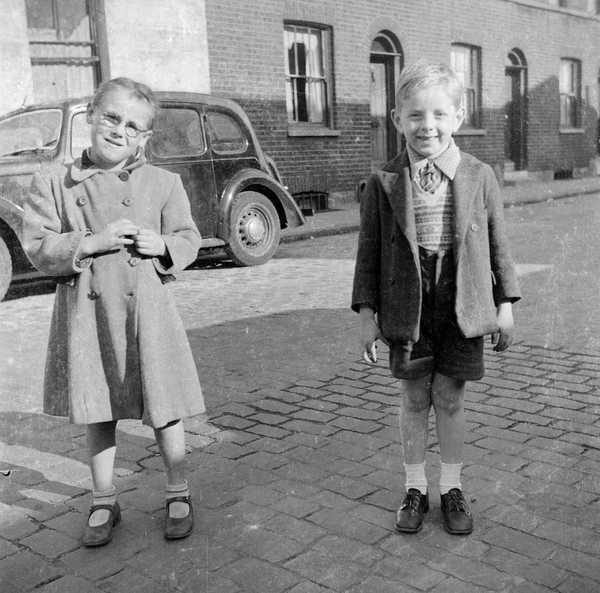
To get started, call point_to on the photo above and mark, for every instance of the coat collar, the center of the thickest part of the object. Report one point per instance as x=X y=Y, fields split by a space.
x=83 y=168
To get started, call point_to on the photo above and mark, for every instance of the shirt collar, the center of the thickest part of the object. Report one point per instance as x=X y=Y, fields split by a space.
x=446 y=161
x=84 y=167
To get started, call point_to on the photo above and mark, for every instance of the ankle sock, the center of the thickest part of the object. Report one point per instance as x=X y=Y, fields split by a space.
x=178 y=510
x=450 y=477
x=415 y=477
x=101 y=516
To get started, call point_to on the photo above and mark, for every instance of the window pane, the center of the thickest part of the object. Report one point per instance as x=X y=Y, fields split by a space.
x=314 y=62
x=226 y=135
x=30 y=131
x=315 y=98
x=73 y=20
x=80 y=134
x=290 y=63
x=177 y=132
x=289 y=100
x=39 y=14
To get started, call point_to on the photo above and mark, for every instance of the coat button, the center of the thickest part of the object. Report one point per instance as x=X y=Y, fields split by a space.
x=123 y=176
x=127 y=201
x=474 y=227
x=134 y=261
x=93 y=295
x=81 y=201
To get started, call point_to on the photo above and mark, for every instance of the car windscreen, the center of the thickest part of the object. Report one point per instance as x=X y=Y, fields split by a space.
x=31 y=131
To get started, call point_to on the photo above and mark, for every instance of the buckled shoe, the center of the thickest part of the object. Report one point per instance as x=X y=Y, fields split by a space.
x=100 y=535
x=178 y=528
x=456 y=513
x=409 y=518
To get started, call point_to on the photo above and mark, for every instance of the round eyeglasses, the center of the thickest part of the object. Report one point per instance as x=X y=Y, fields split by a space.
x=112 y=120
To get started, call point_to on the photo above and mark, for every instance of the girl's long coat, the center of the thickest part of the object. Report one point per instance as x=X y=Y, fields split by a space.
x=387 y=275
x=117 y=346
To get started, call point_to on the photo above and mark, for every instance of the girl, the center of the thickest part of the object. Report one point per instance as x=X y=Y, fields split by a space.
x=111 y=227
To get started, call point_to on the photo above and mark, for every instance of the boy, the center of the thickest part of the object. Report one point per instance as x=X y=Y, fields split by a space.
x=433 y=276
x=112 y=227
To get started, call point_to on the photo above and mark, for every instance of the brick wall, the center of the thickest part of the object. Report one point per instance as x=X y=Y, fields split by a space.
x=246 y=56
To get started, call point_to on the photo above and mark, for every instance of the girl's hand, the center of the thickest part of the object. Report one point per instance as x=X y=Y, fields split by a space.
x=506 y=325
x=369 y=334
x=114 y=236
x=149 y=242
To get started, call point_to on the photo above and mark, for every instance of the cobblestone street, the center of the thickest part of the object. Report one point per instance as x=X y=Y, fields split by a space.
x=296 y=470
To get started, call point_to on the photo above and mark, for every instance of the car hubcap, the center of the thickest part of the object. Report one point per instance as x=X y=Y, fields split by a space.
x=252 y=228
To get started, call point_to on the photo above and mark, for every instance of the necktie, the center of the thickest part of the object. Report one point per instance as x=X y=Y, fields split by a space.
x=429 y=177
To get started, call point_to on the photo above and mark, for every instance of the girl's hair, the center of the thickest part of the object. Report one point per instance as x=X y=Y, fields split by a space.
x=421 y=75
x=137 y=89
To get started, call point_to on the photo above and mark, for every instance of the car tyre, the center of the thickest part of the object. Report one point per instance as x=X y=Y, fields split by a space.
x=6 y=268
x=254 y=229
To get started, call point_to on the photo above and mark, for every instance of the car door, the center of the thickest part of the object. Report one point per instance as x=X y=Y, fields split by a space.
x=231 y=145
x=178 y=144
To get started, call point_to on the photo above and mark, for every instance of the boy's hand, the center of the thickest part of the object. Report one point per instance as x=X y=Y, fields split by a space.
x=114 y=236
x=369 y=334
x=506 y=325
x=149 y=242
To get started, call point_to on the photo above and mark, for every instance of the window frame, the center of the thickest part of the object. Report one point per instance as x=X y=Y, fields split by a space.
x=326 y=126
x=567 y=122
x=210 y=129
x=474 y=85
x=204 y=153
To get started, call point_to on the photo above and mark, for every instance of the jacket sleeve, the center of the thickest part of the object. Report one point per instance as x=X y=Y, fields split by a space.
x=365 y=291
x=179 y=232
x=506 y=284
x=50 y=250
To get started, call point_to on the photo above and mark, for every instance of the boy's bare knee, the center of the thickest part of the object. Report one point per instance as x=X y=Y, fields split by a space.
x=416 y=395
x=448 y=394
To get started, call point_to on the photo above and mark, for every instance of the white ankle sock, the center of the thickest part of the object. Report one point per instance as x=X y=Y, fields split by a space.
x=101 y=516
x=178 y=510
x=450 y=477
x=415 y=477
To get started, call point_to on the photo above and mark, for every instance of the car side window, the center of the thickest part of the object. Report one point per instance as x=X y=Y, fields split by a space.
x=80 y=134
x=177 y=131
x=226 y=134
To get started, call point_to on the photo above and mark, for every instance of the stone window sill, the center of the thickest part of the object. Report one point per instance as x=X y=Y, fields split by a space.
x=302 y=131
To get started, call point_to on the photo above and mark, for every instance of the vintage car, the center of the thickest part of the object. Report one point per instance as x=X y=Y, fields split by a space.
x=237 y=197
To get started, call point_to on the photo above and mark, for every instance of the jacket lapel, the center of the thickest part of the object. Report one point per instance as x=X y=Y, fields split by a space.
x=395 y=179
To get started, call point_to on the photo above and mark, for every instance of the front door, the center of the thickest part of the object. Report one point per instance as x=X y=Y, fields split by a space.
x=515 y=118
x=383 y=133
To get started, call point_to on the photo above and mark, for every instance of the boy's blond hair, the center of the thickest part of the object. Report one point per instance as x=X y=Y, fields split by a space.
x=421 y=75
x=138 y=89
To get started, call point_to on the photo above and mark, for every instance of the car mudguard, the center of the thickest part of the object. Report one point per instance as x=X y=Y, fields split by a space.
x=290 y=214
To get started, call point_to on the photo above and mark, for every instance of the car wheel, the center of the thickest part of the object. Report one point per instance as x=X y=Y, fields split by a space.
x=6 y=268
x=254 y=231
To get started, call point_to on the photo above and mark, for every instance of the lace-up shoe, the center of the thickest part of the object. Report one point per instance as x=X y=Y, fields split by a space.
x=409 y=518
x=456 y=513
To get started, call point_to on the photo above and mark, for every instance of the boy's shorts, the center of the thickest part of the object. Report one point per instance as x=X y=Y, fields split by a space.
x=442 y=347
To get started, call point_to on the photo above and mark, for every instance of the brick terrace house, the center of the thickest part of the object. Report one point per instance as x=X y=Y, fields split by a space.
x=317 y=77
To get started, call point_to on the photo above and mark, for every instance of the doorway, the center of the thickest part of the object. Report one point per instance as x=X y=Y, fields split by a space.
x=515 y=116
x=385 y=65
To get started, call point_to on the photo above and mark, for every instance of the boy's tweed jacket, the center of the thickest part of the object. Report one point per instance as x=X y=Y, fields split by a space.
x=387 y=274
